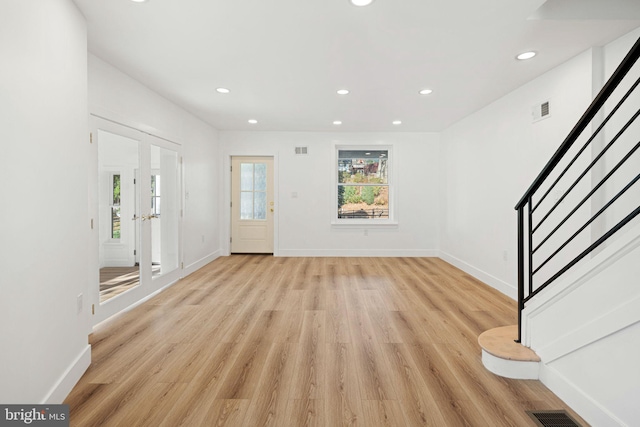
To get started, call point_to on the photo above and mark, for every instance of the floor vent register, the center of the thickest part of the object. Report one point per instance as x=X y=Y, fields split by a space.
x=553 y=419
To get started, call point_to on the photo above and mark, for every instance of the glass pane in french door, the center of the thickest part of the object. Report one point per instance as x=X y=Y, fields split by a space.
x=119 y=236
x=164 y=210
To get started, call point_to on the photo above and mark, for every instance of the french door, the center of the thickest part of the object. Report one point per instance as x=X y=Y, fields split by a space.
x=137 y=210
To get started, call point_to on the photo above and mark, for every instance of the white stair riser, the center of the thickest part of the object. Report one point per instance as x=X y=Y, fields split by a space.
x=518 y=370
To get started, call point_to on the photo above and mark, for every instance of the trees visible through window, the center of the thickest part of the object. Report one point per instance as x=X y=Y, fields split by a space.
x=155 y=195
x=115 y=206
x=363 y=184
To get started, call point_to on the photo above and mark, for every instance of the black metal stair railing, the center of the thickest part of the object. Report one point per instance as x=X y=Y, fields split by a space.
x=596 y=173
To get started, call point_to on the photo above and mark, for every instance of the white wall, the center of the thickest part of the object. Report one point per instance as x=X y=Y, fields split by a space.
x=613 y=55
x=43 y=170
x=116 y=96
x=490 y=158
x=304 y=223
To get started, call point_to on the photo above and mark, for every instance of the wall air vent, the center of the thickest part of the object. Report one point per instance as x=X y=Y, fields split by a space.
x=544 y=109
x=301 y=150
x=541 y=111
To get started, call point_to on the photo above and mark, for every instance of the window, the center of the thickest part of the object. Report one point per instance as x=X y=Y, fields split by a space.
x=363 y=187
x=253 y=191
x=115 y=206
x=155 y=195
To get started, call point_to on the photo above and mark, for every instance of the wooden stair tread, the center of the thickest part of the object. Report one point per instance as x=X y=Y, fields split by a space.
x=500 y=343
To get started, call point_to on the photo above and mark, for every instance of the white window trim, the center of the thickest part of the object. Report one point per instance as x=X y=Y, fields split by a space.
x=392 y=221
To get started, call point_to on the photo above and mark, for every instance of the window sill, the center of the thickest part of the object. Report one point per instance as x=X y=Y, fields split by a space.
x=366 y=223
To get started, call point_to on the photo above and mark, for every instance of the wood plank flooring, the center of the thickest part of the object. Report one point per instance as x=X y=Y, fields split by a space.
x=254 y=340
x=116 y=280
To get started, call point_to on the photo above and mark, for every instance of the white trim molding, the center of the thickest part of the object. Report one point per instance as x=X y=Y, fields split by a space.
x=588 y=408
x=390 y=253
x=69 y=379
x=500 y=285
x=197 y=265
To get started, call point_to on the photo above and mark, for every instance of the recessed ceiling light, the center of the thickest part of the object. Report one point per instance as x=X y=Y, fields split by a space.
x=361 y=2
x=342 y=91
x=222 y=90
x=252 y=121
x=337 y=122
x=526 y=55
x=138 y=1
x=425 y=91
x=397 y=122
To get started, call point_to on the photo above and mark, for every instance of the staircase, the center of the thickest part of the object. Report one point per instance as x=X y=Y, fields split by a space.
x=578 y=256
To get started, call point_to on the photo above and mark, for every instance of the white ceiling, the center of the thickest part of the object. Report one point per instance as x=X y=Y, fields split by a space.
x=283 y=60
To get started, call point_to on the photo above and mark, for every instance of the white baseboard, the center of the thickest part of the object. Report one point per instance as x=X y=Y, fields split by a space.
x=69 y=379
x=589 y=409
x=195 y=266
x=135 y=304
x=494 y=282
x=357 y=253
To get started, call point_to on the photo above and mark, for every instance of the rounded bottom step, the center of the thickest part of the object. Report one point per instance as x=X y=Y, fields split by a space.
x=507 y=358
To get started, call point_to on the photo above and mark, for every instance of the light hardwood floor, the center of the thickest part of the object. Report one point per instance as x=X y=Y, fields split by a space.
x=116 y=280
x=264 y=341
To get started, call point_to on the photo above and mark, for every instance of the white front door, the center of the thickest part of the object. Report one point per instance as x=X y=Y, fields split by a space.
x=252 y=205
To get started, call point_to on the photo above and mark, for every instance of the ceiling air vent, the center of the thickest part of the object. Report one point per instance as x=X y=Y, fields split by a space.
x=541 y=111
x=301 y=150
